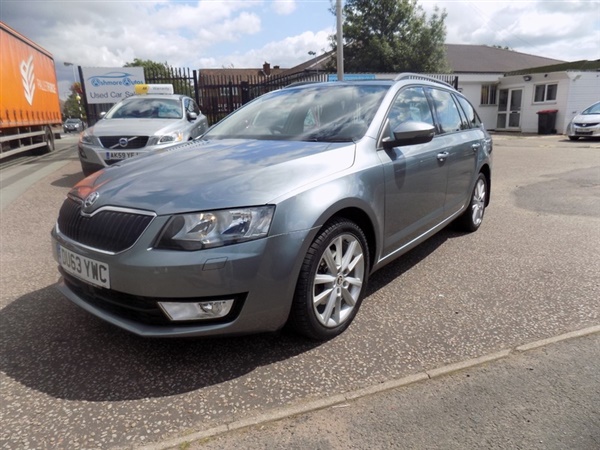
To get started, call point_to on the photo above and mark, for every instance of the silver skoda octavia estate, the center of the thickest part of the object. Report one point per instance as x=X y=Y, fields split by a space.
x=278 y=214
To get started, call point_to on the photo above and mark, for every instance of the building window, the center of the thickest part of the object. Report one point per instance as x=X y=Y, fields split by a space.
x=545 y=93
x=488 y=94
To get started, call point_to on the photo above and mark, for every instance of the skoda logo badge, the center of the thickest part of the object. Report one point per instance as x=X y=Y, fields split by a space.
x=123 y=142
x=91 y=199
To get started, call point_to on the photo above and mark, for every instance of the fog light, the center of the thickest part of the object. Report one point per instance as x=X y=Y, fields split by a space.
x=196 y=311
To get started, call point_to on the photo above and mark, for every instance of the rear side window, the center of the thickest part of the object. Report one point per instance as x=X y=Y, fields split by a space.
x=446 y=109
x=472 y=117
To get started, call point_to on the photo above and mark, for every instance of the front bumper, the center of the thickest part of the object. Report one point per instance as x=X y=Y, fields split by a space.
x=96 y=157
x=583 y=130
x=260 y=275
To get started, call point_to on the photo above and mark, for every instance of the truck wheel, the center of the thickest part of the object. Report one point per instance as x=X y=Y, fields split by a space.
x=49 y=139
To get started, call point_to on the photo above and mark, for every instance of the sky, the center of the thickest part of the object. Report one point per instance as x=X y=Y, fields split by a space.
x=246 y=33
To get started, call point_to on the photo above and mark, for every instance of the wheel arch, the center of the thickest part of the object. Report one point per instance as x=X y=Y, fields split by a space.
x=362 y=219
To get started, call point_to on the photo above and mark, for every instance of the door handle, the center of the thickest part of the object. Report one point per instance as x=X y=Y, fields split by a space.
x=476 y=147
x=442 y=156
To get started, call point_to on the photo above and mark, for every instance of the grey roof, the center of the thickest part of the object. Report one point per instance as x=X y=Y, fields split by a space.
x=461 y=58
x=578 y=66
x=485 y=59
x=316 y=63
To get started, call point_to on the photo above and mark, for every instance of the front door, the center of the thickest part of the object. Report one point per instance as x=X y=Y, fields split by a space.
x=415 y=175
x=509 y=109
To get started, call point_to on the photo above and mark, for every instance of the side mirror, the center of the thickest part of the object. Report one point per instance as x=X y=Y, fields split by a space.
x=192 y=116
x=102 y=114
x=410 y=133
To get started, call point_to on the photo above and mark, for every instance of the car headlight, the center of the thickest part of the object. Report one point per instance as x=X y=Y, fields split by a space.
x=86 y=138
x=197 y=231
x=176 y=136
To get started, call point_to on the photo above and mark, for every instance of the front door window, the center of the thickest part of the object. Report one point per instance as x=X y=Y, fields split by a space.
x=509 y=108
x=514 y=117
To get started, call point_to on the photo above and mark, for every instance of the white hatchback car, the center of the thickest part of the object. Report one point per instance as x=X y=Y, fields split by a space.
x=585 y=124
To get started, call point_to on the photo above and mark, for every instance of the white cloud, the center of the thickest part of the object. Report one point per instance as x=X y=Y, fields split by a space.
x=555 y=29
x=243 y=33
x=284 y=7
x=286 y=53
x=113 y=33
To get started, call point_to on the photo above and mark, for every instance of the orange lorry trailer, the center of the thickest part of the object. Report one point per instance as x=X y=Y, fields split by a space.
x=29 y=103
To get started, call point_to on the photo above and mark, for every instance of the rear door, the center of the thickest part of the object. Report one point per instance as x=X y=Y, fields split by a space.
x=461 y=144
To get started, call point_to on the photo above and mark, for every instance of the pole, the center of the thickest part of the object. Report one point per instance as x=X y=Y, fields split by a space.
x=73 y=67
x=340 y=41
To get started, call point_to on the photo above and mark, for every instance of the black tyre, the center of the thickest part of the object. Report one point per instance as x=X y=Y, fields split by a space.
x=332 y=281
x=48 y=140
x=87 y=169
x=574 y=138
x=471 y=219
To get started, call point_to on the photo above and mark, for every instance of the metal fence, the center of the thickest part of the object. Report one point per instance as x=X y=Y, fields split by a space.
x=219 y=95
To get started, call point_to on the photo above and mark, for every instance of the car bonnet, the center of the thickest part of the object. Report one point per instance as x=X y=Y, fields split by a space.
x=134 y=127
x=212 y=175
x=587 y=118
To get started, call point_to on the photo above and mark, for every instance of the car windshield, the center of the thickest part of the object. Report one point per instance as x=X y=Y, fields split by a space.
x=322 y=112
x=72 y=121
x=146 y=108
x=594 y=109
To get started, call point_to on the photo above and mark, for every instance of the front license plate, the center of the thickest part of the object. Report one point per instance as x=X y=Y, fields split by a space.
x=121 y=155
x=583 y=133
x=86 y=269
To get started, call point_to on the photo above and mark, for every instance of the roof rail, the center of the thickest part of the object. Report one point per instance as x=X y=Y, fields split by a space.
x=300 y=83
x=419 y=76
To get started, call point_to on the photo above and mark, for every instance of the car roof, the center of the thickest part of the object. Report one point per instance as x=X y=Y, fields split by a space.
x=403 y=78
x=341 y=83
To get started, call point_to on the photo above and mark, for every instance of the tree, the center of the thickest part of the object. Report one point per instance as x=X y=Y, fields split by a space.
x=393 y=36
x=73 y=108
x=162 y=73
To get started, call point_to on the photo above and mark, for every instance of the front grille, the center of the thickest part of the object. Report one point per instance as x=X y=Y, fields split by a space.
x=138 y=308
x=113 y=143
x=112 y=231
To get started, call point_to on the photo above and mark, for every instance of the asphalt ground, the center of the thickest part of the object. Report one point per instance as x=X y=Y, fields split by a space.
x=71 y=381
x=545 y=398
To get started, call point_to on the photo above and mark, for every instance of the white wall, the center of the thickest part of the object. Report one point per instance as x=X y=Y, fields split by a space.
x=576 y=91
x=584 y=90
x=470 y=86
x=529 y=116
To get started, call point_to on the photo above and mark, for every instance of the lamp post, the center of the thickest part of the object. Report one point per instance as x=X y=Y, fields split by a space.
x=67 y=64
x=340 y=40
